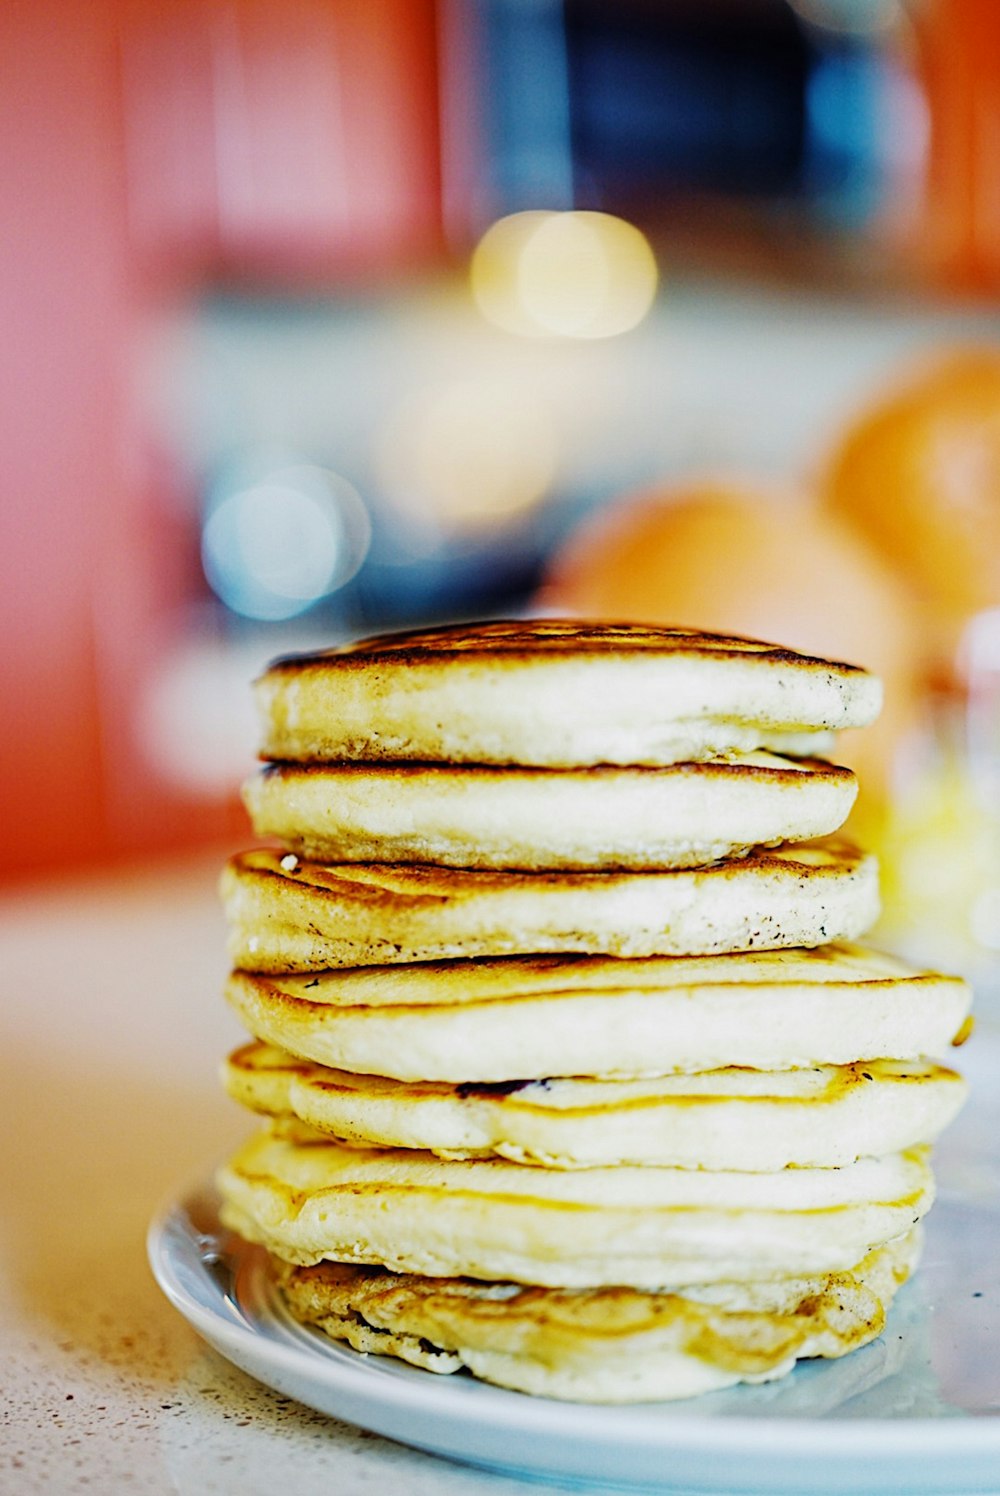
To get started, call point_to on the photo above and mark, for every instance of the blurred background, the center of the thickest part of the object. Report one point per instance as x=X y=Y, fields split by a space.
x=328 y=316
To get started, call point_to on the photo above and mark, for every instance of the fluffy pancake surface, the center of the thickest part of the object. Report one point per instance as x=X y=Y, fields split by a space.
x=285 y=914
x=610 y=1345
x=686 y=815
x=512 y=1018
x=538 y=849
x=738 y=1119
x=556 y=693
x=646 y=1227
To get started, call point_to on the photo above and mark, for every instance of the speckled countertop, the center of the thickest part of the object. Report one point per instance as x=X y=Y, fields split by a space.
x=112 y=1027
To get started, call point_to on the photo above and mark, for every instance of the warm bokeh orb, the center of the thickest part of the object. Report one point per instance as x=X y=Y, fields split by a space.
x=919 y=473
x=567 y=275
x=731 y=559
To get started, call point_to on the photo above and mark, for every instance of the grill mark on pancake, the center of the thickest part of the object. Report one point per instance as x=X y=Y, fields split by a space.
x=423 y=885
x=850 y=1078
x=293 y=1002
x=388 y=1292
x=244 y=1060
x=361 y=1189
x=508 y=1095
x=496 y=1088
x=548 y=640
x=806 y=768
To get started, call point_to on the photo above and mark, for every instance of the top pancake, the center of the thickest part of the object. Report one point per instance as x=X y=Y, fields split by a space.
x=558 y=694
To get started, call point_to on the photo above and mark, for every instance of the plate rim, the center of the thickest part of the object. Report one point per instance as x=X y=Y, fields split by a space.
x=877 y=1440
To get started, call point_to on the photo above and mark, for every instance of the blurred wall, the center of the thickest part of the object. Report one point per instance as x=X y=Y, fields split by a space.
x=224 y=222
x=67 y=501
x=149 y=150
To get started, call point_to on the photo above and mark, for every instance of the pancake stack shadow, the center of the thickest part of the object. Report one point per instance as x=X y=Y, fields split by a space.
x=575 y=1075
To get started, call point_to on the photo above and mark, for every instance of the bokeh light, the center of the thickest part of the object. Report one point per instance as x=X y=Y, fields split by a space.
x=570 y=275
x=468 y=454
x=275 y=544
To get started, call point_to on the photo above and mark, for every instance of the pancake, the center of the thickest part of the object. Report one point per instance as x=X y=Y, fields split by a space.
x=581 y=1228
x=748 y=1120
x=574 y=819
x=288 y=915
x=556 y=693
x=610 y=1345
x=514 y=1017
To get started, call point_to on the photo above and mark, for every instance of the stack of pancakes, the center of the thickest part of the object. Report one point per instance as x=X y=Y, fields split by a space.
x=573 y=1072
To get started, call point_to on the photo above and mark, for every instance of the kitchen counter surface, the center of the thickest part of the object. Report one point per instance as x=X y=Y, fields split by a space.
x=112 y=1027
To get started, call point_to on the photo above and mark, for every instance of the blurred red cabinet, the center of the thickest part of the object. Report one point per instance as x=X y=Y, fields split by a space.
x=151 y=147
x=282 y=138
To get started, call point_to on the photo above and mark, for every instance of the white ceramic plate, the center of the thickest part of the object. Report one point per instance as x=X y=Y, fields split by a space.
x=917 y=1411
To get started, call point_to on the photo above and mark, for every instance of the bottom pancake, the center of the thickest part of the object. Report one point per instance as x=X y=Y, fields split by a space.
x=612 y=1345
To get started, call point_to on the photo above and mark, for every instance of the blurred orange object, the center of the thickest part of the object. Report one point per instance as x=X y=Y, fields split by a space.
x=725 y=557
x=919 y=472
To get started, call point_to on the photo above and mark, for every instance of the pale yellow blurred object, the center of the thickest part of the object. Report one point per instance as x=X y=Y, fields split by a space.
x=570 y=275
x=941 y=849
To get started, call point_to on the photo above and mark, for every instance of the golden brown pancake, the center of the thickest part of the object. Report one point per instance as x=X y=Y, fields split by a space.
x=687 y=815
x=608 y=1345
x=557 y=693
x=286 y=914
x=527 y=1017
x=306 y=1200
x=756 y=1120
